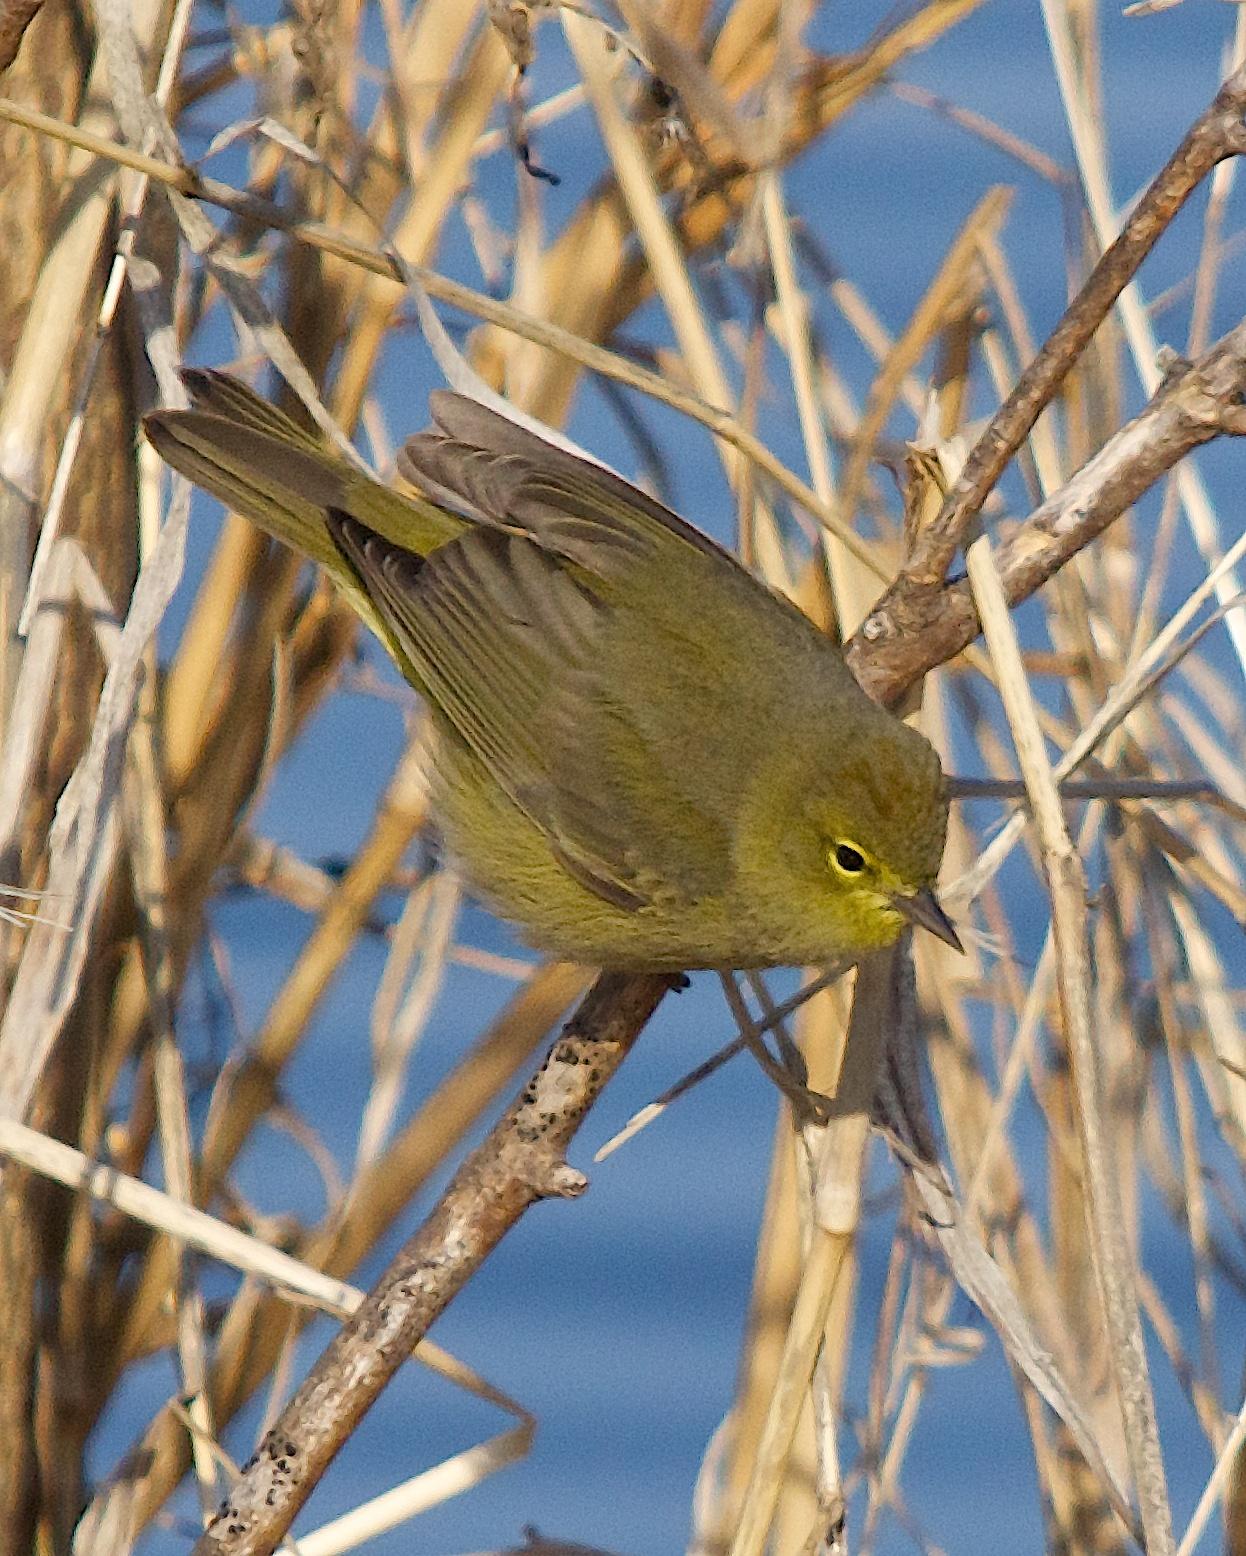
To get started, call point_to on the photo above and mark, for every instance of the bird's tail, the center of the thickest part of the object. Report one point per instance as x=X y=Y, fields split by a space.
x=282 y=477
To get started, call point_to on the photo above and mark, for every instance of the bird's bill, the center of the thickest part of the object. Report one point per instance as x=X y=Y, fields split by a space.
x=923 y=909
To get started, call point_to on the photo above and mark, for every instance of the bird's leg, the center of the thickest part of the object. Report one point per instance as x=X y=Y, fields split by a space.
x=788 y=1075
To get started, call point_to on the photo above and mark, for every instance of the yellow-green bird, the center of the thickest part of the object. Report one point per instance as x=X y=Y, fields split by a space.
x=647 y=759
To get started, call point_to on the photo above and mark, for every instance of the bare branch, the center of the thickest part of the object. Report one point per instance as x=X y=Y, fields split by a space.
x=912 y=631
x=501 y=1180
x=1217 y=134
x=520 y=1162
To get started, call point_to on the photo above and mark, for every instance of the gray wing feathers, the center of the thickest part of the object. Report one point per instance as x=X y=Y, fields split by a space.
x=490 y=624
x=524 y=658
x=507 y=645
x=506 y=475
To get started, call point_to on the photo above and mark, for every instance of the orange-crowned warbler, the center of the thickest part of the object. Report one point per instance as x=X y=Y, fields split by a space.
x=647 y=759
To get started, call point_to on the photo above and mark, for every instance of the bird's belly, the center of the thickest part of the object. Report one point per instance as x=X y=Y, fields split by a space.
x=508 y=862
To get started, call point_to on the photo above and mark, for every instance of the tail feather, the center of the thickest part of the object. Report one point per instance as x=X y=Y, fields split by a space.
x=281 y=476
x=221 y=394
x=266 y=467
x=284 y=490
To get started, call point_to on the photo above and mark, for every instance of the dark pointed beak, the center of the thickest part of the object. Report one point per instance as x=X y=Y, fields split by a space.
x=923 y=909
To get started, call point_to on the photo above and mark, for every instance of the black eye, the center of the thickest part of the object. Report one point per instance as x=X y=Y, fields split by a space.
x=849 y=859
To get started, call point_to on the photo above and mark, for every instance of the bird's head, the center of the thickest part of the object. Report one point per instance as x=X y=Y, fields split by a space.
x=875 y=822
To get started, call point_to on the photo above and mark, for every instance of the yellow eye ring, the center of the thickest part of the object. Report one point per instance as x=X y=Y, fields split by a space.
x=849 y=859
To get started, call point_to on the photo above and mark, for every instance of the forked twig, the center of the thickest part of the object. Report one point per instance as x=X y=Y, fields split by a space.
x=1216 y=134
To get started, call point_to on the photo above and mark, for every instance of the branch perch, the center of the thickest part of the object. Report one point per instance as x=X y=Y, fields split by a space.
x=521 y=1161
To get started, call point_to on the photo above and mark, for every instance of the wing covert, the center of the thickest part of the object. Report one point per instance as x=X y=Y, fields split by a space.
x=508 y=644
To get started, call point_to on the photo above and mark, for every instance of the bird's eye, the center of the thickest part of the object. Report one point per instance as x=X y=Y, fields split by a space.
x=849 y=859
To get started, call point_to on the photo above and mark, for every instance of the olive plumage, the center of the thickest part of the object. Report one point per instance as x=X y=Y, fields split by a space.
x=646 y=758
